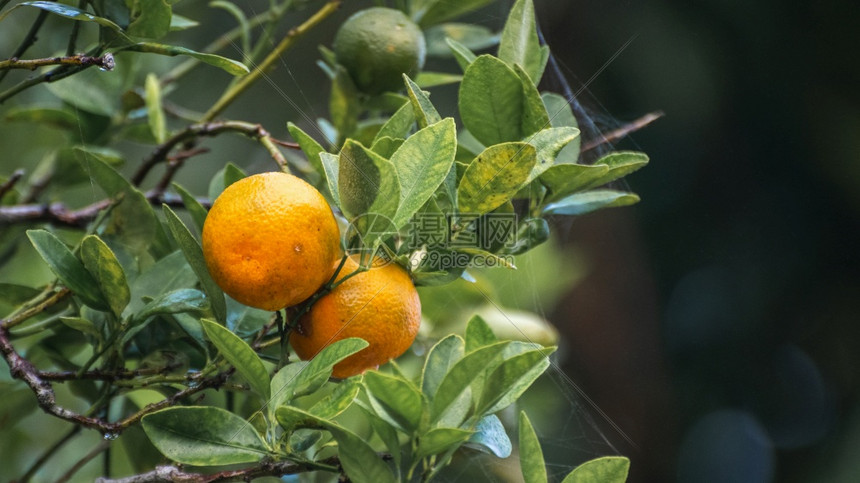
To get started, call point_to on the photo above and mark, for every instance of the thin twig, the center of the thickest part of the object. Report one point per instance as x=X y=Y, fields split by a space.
x=10 y=183
x=29 y=39
x=266 y=468
x=47 y=299
x=623 y=131
x=99 y=449
x=46 y=455
x=54 y=75
x=105 y=62
x=287 y=42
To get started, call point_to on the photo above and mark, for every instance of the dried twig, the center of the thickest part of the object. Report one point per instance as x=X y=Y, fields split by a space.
x=622 y=131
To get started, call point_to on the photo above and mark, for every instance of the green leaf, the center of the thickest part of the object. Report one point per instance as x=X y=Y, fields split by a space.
x=204 y=436
x=478 y=334
x=194 y=255
x=519 y=43
x=359 y=460
x=340 y=399
x=426 y=79
x=534 y=116
x=461 y=53
x=302 y=378
x=490 y=437
x=157 y=123
x=511 y=378
x=68 y=12
x=82 y=325
x=92 y=91
x=461 y=375
x=440 y=359
x=310 y=147
x=103 y=265
x=132 y=220
x=229 y=65
x=439 y=440
x=422 y=163
x=170 y=273
x=343 y=104
x=430 y=12
x=68 y=268
x=386 y=146
x=177 y=301
x=494 y=177
x=178 y=22
x=385 y=431
x=608 y=469
x=243 y=320
x=548 y=143
x=424 y=111
x=399 y=124
x=494 y=105
x=471 y=36
x=401 y=402
x=240 y=355
x=621 y=163
x=195 y=209
x=331 y=166
x=582 y=203
x=565 y=179
x=558 y=107
x=152 y=20
x=367 y=182
x=224 y=178
x=531 y=455
x=46 y=116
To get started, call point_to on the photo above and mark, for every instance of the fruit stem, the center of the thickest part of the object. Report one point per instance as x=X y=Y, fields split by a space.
x=288 y=41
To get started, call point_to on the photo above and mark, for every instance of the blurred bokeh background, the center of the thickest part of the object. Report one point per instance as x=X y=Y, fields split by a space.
x=716 y=324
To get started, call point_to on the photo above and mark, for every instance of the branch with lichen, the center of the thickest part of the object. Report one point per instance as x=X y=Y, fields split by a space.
x=105 y=62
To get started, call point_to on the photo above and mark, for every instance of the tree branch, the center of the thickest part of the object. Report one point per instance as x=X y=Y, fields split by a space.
x=265 y=468
x=105 y=62
x=622 y=131
x=10 y=183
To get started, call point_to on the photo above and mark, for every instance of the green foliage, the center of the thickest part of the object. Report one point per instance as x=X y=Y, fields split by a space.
x=149 y=331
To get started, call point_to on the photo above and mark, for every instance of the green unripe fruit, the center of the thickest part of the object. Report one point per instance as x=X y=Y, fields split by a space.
x=377 y=46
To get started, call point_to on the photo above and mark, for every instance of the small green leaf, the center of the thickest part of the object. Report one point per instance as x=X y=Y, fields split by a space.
x=461 y=53
x=461 y=375
x=367 y=182
x=608 y=469
x=399 y=124
x=152 y=20
x=471 y=36
x=240 y=355
x=310 y=147
x=424 y=111
x=426 y=79
x=302 y=378
x=478 y=333
x=566 y=179
x=534 y=115
x=170 y=273
x=194 y=255
x=582 y=203
x=359 y=460
x=490 y=437
x=195 y=209
x=340 y=399
x=548 y=143
x=422 y=163
x=229 y=65
x=133 y=220
x=621 y=163
x=494 y=177
x=385 y=431
x=558 y=107
x=102 y=264
x=343 y=104
x=430 y=12
x=226 y=176
x=177 y=301
x=331 y=166
x=204 y=436
x=68 y=268
x=492 y=101
x=531 y=455
x=82 y=325
x=400 y=401
x=511 y=378
x=178 y=22
x=439 y=440
x=157 y=123
x=46 y=116
x=519 y=43
x=440 y=359
x=386 y=146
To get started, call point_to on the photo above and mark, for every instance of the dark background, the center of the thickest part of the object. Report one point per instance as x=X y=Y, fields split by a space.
x=719 y=324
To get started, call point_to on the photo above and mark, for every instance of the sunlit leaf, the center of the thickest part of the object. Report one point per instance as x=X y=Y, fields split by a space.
x=494 y=177
x=519 y=43
x=424 y=111
x=608 y=469
x=103 y=265
x=531 y=455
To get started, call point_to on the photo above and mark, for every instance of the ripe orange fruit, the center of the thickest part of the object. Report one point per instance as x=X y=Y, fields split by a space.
x=377 y=46
x=269 y=240
x=379 y=305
